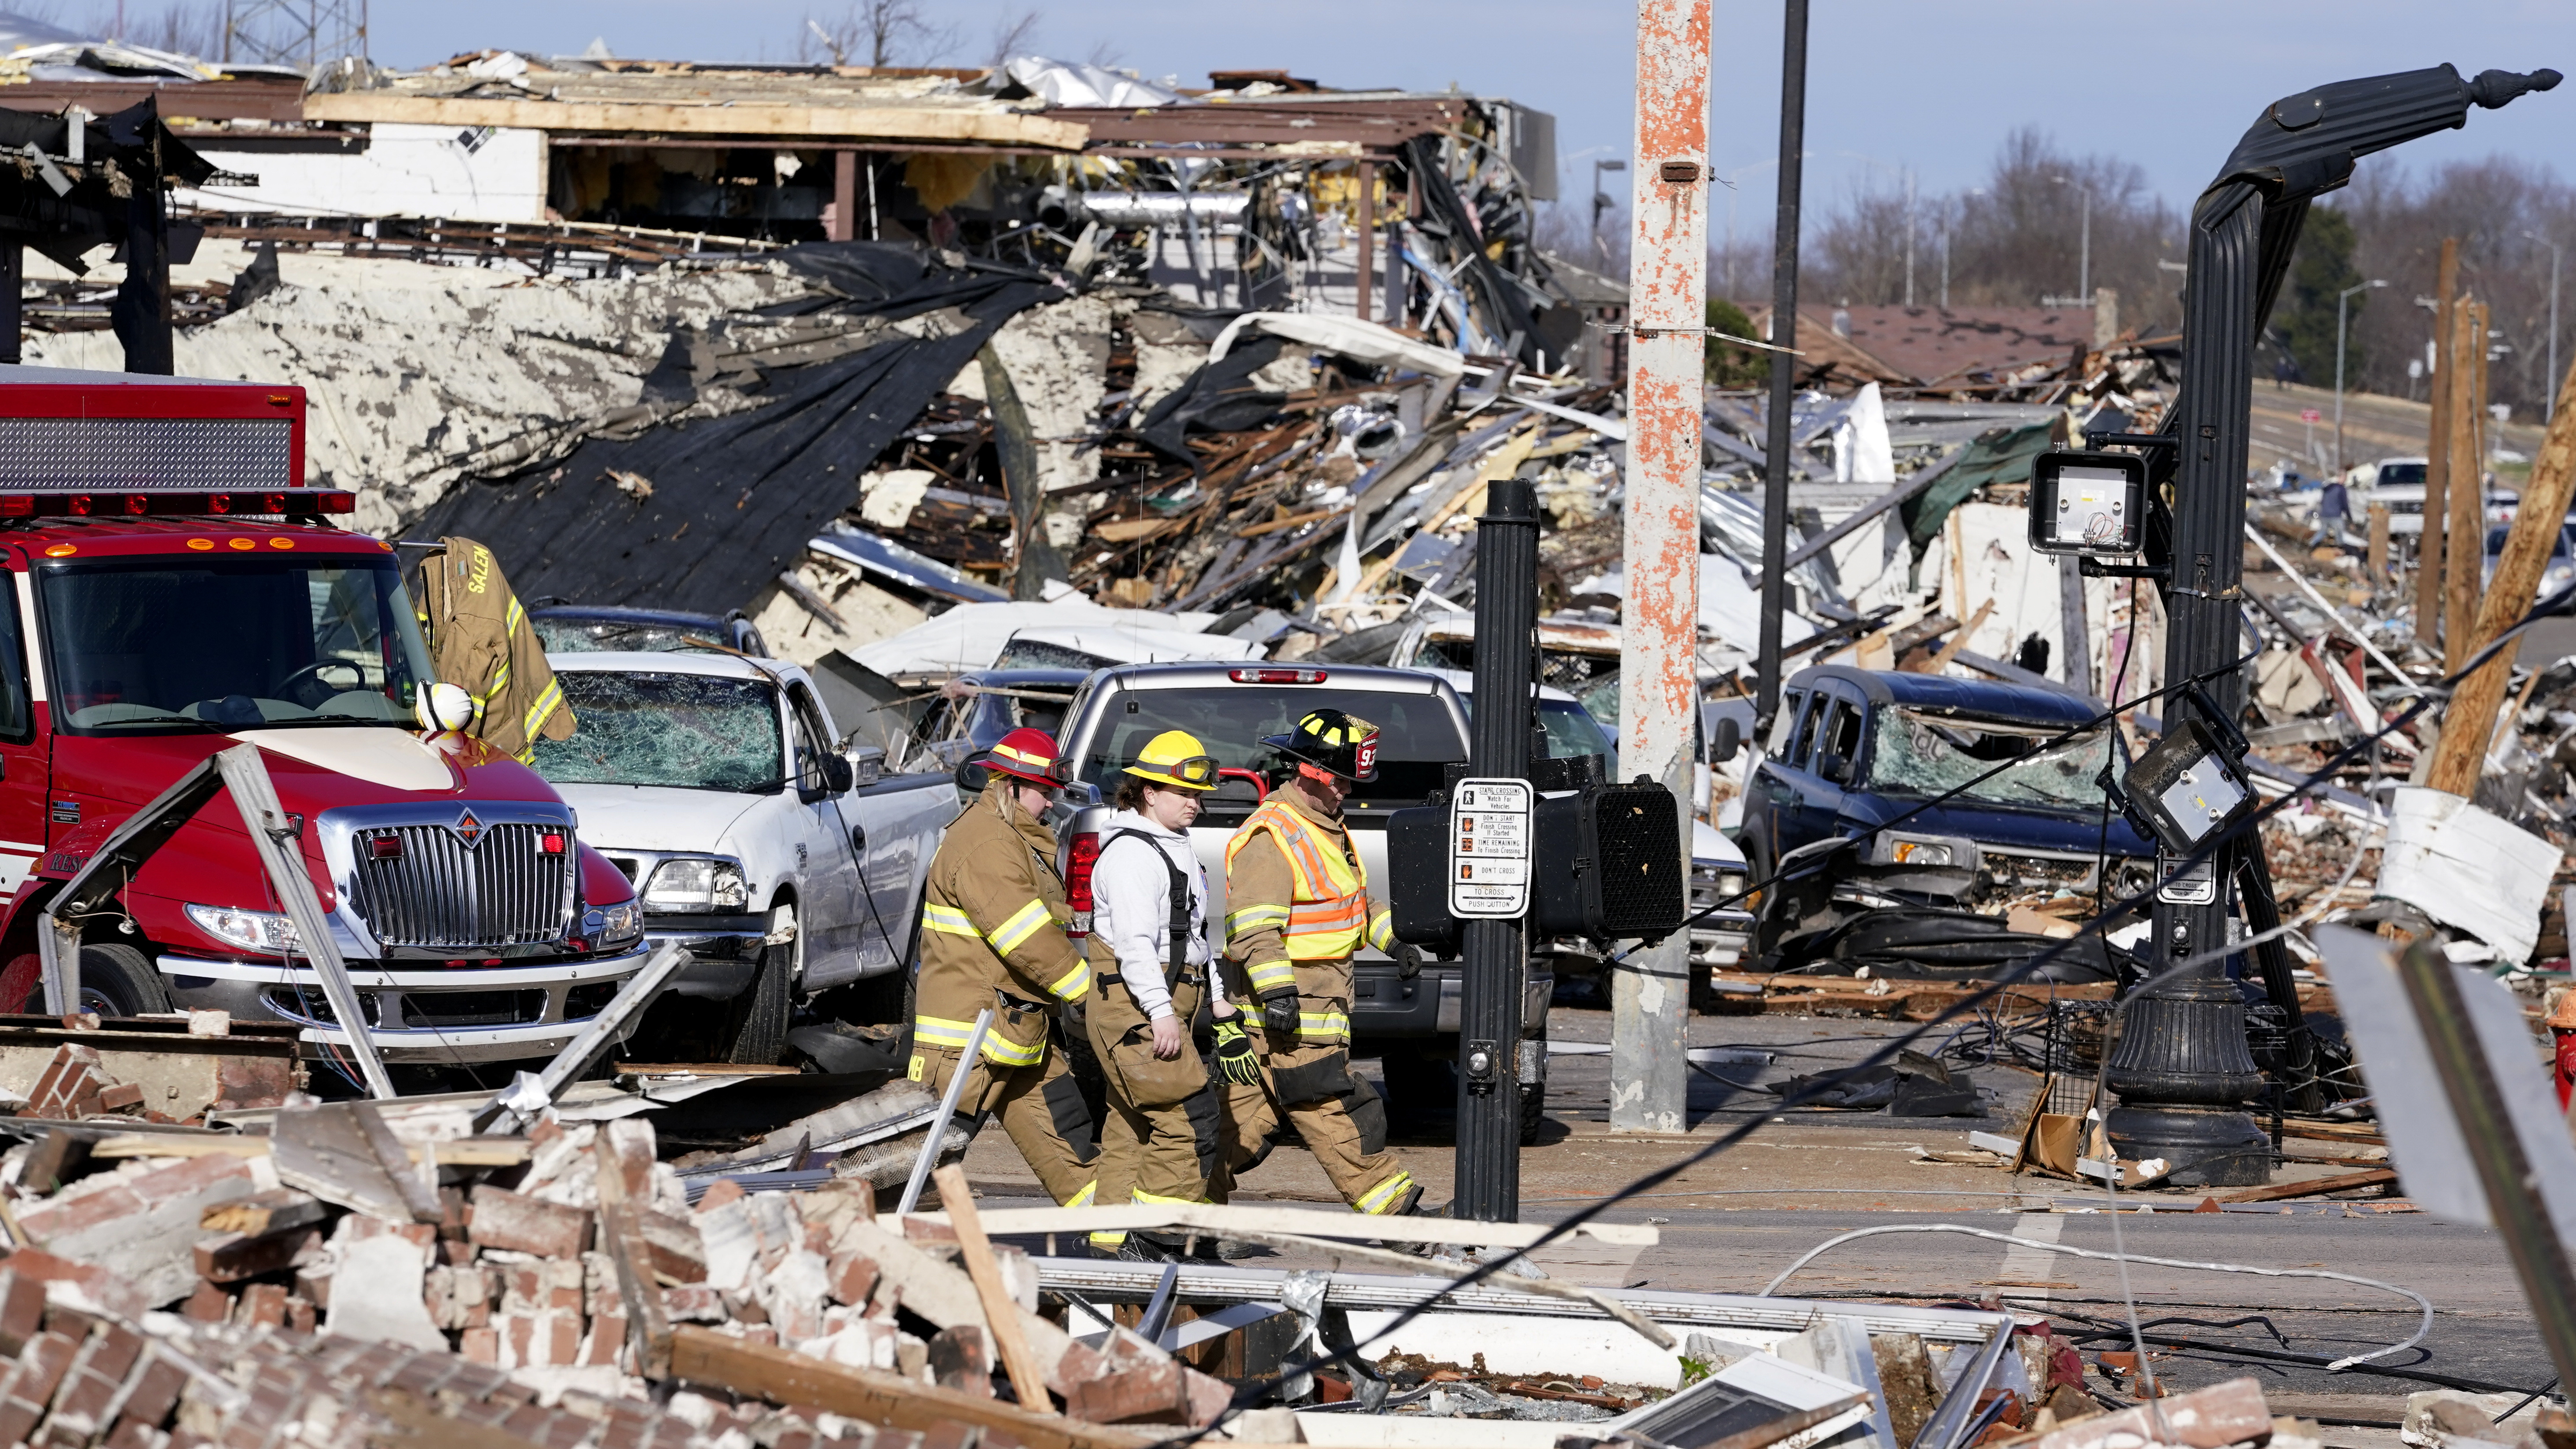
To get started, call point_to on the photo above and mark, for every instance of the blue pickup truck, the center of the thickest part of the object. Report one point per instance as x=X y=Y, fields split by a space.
x=1854 y=749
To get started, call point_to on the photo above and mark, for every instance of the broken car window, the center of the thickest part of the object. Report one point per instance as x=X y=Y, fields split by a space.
x=1921 y=753
x=692 y=731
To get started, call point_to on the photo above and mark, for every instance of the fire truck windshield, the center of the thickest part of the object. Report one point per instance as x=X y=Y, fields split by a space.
x=159 y=645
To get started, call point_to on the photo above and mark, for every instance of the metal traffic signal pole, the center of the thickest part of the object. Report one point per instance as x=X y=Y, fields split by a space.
x=1659 y=627
x=1489 y=1007
x=2181 y=1067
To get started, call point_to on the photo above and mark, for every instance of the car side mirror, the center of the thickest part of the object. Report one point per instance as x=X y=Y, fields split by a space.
x=866 y=762
x=1834 y=767
x=1725 y=740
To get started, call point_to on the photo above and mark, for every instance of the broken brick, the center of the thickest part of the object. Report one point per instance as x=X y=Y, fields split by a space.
x=854 y=1276
x=505 y=1219
x=72 y=1073
x=22 y=1312
x=263 y=1305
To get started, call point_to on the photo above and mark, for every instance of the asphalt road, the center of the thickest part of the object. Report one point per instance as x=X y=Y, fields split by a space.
x=1732 y=1221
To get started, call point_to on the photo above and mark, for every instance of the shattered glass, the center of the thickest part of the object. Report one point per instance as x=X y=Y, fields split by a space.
x=692 y=731
x=1929 y=754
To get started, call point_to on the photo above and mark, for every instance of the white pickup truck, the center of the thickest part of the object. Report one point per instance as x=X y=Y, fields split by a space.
x=1409 y=1022
x=759 y=837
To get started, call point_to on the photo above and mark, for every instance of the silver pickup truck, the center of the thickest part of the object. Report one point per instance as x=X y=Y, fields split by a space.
x=775 y=850
x=1410 y=1024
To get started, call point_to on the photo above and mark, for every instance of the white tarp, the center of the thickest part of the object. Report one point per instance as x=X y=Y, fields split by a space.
x=971 y=636
x=1071 y=83
x=1349 y=336
x=1862 y=453
x=2467 y=868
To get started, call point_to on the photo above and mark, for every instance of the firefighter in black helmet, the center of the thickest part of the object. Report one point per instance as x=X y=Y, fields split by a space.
x=1297 y=910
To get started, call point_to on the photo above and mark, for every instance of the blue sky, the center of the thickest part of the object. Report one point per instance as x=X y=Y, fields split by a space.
x=1893 y=83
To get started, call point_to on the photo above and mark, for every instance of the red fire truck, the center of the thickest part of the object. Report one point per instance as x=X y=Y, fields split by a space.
x=175 y=588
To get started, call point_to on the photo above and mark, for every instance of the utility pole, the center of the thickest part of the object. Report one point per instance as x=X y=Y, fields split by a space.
x=2341 y=298
x=1601 y=202
x=1778 y=467
x=1909 y=237
x=2084 y=256
x=2465 y=552
x=2551 y=415
x=1659 y=629
x=2181 y=1067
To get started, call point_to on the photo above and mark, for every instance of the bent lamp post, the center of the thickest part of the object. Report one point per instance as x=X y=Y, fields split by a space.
x=2181 y=1066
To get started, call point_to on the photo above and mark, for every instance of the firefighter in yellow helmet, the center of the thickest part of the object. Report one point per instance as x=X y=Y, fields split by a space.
x=1161 y=1140
x=1297 y=910
x=992 y=936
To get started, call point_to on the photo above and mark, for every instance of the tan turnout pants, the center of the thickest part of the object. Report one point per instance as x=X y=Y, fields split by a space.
x=1039 y=1107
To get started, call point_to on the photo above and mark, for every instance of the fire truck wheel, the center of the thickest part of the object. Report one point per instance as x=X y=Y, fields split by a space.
x=120 y=981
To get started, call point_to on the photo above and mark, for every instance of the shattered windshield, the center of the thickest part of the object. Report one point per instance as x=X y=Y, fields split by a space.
x=692 y=731
x=1917 y=753
x=160 y=645
x=575 y=635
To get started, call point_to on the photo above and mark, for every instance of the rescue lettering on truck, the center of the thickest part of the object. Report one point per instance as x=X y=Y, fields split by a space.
x=174 y=588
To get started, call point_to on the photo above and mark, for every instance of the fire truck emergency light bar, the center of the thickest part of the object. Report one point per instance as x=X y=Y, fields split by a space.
x=301 y=503
x=76 y=443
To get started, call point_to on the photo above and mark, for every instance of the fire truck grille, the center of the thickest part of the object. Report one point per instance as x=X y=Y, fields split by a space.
x=72 y=454
x=439 y=892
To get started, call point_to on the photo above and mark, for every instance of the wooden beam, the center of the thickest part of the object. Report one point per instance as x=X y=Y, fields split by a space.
x=2459 y=756
x=779 y=1376
x=877 y=123
x=621 y=1236
x=2465 y=551
x=1001 y=1311
x=2283 y=1191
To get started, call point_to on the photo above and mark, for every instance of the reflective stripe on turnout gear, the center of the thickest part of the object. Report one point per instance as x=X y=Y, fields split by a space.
x=1071 y=985
x=948 y=919
x=1323 y=1028
x=1023 y=924
x=1381 y=1198
x=950 y=1035
x=1329 y=914
x=1272 y=976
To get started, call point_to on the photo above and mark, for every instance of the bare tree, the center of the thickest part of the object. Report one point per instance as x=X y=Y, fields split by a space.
x=2399 y=219
x=2017 y=238
x=1012 y=35
x=876 y=33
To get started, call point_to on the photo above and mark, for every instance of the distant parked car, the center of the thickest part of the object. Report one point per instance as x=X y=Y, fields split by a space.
x=2561 y=569
x=605 y=629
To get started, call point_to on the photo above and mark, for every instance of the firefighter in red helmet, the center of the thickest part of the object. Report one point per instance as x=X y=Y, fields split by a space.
x=992 y=936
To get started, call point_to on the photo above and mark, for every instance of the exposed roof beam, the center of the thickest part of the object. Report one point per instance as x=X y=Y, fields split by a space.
x=872 y=123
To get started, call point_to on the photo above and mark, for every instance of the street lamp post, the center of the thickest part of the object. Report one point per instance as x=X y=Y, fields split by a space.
x=2549 y=384
x=1601 y=202
x=2084 y=245
x=2340 y=299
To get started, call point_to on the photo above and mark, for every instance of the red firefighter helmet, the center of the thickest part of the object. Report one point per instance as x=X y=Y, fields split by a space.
x=1028 y=755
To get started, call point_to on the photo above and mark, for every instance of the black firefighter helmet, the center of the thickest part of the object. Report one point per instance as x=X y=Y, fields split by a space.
x=1332 y=741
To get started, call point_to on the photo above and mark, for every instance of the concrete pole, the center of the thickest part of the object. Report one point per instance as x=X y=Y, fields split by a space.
x=1659 y=635
x=1367 y=173
x=2437 y=460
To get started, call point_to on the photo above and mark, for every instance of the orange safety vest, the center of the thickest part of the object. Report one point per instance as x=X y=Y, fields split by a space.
x=1328 y=918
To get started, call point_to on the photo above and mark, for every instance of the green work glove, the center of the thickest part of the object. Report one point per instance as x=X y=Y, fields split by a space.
x=1234 y=1056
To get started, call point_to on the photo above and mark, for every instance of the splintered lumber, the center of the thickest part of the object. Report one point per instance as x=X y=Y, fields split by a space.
x=703 y=1356
x=621 y=1236
x=262 y=1213
x=1001 y=1311
x=456 y=1152
x=2284 y=1191
x=2459 y=756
